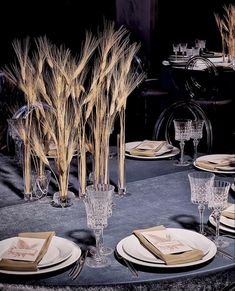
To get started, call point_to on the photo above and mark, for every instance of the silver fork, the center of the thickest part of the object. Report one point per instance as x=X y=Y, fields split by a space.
x=75 y=271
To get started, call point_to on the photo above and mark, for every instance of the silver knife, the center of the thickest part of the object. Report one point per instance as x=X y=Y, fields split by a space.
x=80 y=265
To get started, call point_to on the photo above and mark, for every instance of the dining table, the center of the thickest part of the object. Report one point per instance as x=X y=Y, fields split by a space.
x=158 y=193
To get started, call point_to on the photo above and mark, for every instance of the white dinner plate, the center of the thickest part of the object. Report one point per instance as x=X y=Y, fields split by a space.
x=194 y=238
x=63 y=248
x=216 y=159
x=132 y=247
x=222 y=227
x=130 y=145
x=69 y=252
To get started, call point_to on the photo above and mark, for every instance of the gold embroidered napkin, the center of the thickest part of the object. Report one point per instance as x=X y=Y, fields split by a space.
x=229 y=211
x=149 y=148
x=162 y=243
x=26 y=251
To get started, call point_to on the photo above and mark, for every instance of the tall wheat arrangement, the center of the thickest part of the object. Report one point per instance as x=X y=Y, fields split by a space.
x=24 y=74
x=65 y=90
x=112 y=82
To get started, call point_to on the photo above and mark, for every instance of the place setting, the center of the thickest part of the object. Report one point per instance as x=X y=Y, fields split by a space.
x=35 y=253
x=150 y=149
x=166 y=248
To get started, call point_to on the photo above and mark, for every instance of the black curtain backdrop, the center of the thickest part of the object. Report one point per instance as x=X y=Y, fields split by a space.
x=63 y=21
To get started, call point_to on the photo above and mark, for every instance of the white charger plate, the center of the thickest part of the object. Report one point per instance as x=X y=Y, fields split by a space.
x=222 y=227
x=69 y=252
x=216 y=158
x=227 y=221
x=194 y=238
x=130 y=145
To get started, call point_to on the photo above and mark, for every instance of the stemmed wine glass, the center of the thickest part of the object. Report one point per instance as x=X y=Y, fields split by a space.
x=201 y=186
x=97 y=204
x=182 y=133
x=105 y=250
x=183 y=48
x=218 y=201
x=196 y=134
x=176 y=47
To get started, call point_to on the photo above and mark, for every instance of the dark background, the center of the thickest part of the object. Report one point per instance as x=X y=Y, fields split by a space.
x=65 y=21
x=156 y=24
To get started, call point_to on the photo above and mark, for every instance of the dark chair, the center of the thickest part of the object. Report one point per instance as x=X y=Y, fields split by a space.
x=207 y=88
x=147 y=101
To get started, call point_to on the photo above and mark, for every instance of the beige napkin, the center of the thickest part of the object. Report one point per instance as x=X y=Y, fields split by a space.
x=212 y=166
x=169 y=259
x=14 y=265
x=148 y=148
x=229 y=214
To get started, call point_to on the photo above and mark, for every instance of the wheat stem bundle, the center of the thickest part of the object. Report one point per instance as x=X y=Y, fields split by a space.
x=113 y=80
x=65 y=89
x=24 y=74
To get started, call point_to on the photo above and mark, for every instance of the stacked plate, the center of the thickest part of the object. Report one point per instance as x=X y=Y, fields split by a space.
x=131 y=249
x=218 y=163
x=178 y=61
x=166 y=151
x=61 y=254
x=226 y=224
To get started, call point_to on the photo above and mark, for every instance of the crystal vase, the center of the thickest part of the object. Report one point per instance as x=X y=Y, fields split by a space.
x=63 y=198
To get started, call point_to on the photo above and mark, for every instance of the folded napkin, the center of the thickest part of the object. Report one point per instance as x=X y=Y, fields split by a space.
x=165 y=242
x=149 y=148
x=229 y=211
x=212 y=166
x=23 y=265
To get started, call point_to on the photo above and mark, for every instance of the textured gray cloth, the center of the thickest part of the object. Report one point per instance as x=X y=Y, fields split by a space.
x=159 y=200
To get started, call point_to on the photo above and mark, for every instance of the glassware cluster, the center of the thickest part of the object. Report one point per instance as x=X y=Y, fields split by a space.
x=205 y=190
x=187 y=50
x=186 y=129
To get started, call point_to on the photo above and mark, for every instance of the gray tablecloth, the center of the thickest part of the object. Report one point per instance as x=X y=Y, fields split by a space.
x=164 y=199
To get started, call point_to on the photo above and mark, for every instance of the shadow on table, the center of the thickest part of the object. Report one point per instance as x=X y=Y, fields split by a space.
x=186 y=221
x=82 y=237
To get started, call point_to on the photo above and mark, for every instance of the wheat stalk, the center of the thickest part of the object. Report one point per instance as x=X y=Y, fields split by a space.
x=226 y=25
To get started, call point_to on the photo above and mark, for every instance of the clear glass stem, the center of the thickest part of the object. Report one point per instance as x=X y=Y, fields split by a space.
x=217 y=221
x=201 y=208
x=195 y=145
x=182 y=143
x=99 y=240
x=104 y=249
